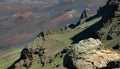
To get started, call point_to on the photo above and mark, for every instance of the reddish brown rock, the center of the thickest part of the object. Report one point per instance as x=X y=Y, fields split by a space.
x=25 y=15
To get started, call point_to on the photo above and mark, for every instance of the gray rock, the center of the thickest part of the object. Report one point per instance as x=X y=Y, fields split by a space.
x=86 y=13
x=86 y=55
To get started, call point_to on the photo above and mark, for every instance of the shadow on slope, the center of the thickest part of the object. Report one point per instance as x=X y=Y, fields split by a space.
x=22 y=57
x=112 y=64
x=72 y=26
x=88 y=32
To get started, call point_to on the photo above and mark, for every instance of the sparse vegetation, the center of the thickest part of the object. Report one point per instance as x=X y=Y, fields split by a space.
x=54 y=43
x=9 y=58
x=71 y=45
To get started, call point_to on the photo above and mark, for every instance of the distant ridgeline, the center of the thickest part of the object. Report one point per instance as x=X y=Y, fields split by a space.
x=37 y=1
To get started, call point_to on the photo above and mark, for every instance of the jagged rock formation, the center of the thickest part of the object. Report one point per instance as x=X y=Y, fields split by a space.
x=85 y=14
x=111 y=9
x=111 y=19
x=39 y=55
x=89 y=54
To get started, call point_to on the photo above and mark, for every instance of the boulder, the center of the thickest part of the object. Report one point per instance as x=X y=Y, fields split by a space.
x=89 y=54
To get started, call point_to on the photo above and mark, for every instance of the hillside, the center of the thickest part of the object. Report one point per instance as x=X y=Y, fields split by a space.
x=52 y=42
x=111 y=27
x=92 y=43
x=40 y=53
x=55 y=38
x=15 y=26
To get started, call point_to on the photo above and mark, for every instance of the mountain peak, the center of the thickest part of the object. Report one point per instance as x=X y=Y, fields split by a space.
x=111 y=9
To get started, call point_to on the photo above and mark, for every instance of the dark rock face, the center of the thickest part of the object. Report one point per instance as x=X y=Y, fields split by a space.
x=110 y=10
x=86 y=13
x=112 y=64
x=110 y=18
x=28 y=55
x=110 y=30
x=85 y=16
x=117 y=47
x=26 y=58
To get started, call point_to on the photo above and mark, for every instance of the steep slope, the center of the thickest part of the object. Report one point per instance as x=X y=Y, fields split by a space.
x=48 y=50
x=111 y=19
x=53 y=49
x=43 y=17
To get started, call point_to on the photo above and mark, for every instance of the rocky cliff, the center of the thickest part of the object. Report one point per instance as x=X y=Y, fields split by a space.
x=111 y=20
x=85 y=14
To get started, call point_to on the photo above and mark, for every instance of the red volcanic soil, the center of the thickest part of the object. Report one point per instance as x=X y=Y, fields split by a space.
x=63 y=17
x=25 y=15
x=58 y=19
x=19 y=38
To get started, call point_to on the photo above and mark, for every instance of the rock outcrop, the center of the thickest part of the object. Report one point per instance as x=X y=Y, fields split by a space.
x=85 y=14
x=111 y=20
x=42 y=53
x=31 y=55
x=89 y=54
x=111 y=9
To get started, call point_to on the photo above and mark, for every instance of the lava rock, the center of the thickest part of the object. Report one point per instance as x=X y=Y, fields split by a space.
x=88 y=54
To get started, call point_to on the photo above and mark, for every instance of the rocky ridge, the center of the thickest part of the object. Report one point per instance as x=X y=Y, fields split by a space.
x=111 y=21
x=85 y=14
